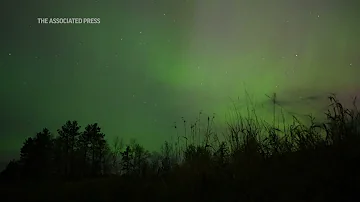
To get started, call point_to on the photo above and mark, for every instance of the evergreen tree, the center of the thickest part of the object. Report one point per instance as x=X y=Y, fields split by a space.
x=68 y=138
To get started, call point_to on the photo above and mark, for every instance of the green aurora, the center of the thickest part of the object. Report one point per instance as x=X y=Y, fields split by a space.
x=149 y=63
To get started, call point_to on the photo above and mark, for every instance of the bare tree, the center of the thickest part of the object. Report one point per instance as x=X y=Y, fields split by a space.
x=117 y=147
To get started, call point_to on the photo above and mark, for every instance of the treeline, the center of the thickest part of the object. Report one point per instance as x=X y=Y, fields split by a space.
x=75 y=154
x=254 y=161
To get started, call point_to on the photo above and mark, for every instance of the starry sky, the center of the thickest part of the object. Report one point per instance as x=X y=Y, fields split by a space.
x=150 y=62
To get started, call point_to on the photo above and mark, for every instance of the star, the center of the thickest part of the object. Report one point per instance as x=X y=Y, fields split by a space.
x=9 y=54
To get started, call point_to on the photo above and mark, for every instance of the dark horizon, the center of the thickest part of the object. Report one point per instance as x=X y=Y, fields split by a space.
x=256 y=162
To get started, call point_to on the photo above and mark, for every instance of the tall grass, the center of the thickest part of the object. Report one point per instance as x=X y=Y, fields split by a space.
x=252 y=147
x=253 y=160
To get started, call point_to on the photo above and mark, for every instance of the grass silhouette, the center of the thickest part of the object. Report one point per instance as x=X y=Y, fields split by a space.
x=252 y=161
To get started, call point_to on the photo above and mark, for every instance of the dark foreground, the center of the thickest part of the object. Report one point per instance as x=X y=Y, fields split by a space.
x=298 y=164
x=325 y=177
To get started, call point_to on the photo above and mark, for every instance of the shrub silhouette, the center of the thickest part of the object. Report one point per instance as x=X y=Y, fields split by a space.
x=255 y=161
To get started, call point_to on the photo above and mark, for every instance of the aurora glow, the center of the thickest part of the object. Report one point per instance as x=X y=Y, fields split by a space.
x=148 y=63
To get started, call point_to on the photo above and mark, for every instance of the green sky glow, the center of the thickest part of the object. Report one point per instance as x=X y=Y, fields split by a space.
x=148 y=63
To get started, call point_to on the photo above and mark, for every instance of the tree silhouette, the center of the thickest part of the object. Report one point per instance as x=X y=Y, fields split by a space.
x=72 y=154
x=11 y=172
x=27 y=155
x=168 y=156
x=36 y=155
x=44 y=151
x=116 y=149
x=127 y=157
x=68 y=137
x=93 y=147
x=140 y=159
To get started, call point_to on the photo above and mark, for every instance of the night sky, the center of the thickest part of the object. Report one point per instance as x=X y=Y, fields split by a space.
x=150 y=62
